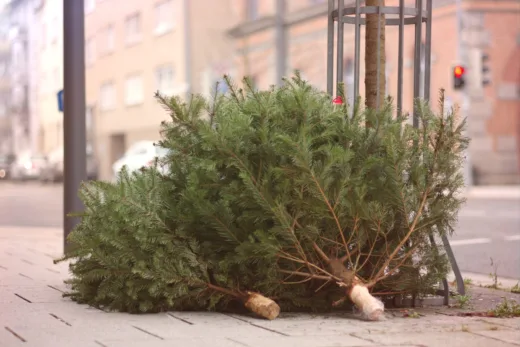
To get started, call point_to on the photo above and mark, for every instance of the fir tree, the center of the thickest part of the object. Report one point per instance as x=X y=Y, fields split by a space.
x=277 y=192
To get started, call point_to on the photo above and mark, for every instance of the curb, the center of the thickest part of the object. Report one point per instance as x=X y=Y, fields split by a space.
x=493 y=192
x=504 y=283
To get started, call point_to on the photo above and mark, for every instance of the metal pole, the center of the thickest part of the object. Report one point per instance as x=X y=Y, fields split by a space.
x=281 y=41
x=330 y=48
x=400 y=59
x=378 y=92
x=74 y=111
x=417 y=61
x=341 y=31
x=428 y=51
x=357 y=48
x=187 y=48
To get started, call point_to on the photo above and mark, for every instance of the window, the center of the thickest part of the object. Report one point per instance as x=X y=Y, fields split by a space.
x=108 y=38
x=107 y=98
x=164 y=77
x=133 y=28
x=90 y=5
x=252 y=9
x=134 y=90
x=90 y=52
x=164 y=18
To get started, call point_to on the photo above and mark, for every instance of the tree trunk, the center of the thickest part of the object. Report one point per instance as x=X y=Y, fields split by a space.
x=371 y=58
x=371 y=308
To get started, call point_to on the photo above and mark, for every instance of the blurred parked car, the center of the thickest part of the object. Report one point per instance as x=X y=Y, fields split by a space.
x=5 y=166
x=140 y=154
x=27 y=167
x=54 y=169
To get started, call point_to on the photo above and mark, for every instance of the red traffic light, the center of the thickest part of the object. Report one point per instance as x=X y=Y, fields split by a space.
x=458 y=70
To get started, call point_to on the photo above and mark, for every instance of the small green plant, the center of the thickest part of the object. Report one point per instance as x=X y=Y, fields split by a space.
x=506 y=309
x=494 y=275
x=516 y=288
x=465 y=328
x=468 y=281
x=463 y=301
x=411 y=314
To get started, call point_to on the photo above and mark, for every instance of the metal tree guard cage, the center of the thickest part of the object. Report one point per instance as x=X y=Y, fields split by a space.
x=402 y=15
x=420 y=15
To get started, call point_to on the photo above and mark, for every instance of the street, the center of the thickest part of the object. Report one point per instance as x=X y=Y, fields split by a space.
x=488 y=228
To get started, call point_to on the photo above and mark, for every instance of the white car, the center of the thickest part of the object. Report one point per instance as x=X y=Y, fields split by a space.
x=138 y=155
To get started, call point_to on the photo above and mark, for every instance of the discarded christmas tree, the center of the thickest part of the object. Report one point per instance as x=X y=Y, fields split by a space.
x=285 y=194
x=130 y=254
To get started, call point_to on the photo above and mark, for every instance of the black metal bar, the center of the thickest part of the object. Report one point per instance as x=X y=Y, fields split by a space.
x=428 y=51
x=454 y=266
x=74 y=127
x=357 y=48
x=417 y=61
x=330 y=48
x=341 y=31
x=281 y=42
x=400 y=60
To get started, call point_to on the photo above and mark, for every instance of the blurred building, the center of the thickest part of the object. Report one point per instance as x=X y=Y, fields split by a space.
x=488 y=27
x=50 y=73
x=5 y=85
x=22 y=110
x=134 y=48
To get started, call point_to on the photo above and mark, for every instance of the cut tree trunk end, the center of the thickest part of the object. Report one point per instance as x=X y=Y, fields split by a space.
x=371 y=307
x=262 y=306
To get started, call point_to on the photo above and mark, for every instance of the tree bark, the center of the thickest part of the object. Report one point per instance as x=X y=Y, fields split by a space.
x=371 y=58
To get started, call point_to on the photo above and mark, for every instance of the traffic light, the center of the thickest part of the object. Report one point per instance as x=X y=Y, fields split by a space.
x=485 y=70
x=459 y=72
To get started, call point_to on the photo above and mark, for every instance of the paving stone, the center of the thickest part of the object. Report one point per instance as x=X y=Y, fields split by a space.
x=511 y=322
x=299 y=341
x=437 y=340
x=186 y=342
x=512 y=336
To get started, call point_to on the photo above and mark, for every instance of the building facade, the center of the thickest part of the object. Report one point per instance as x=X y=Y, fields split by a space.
x=5 y=85
x=50 y=73
x=488 y=27
x=22 y=111
x=134 y=48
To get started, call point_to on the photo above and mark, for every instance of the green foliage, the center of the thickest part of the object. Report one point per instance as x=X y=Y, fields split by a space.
x=506 y=309
x=257 y=182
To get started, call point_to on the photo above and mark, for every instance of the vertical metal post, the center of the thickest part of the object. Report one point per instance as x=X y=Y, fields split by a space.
x=330 y=48
x=281 y=41
x=417 y=60
x=400 y=60
x=357 y=44
x=341 y=31
x=378 y=91
x=428 y=51
x=187 y=47
x=74 y=111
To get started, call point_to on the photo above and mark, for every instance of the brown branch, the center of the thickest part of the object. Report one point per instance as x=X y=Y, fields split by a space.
x=403 y=241
x=308 y=275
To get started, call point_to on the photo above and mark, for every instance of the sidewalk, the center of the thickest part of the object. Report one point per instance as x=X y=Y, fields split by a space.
x=33 y=313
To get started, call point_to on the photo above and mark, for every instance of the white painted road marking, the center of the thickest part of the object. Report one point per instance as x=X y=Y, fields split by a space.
x=512 y=238
x=485 y=214
x=469 y=242
x=481 y=241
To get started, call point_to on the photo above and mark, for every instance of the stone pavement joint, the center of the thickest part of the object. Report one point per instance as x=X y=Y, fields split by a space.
x=33 y=313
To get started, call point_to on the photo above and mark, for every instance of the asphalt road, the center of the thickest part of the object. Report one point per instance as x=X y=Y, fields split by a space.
x=487 y=228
